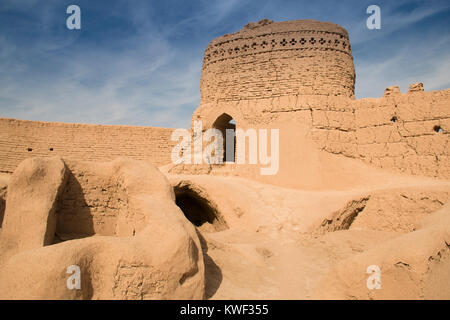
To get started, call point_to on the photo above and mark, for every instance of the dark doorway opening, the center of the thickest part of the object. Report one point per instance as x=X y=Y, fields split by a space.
x=2 y=211
x=222 y=123
x=2 y=203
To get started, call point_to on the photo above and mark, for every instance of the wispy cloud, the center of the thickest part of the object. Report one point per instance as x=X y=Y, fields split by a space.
x=139 y=63
x=412 y=46
x=395 y=15
x=428 y=63
x=85 y=82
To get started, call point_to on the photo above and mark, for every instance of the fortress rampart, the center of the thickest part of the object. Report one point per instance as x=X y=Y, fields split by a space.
x=302 y=81
x=300 y=74
x=20 y=139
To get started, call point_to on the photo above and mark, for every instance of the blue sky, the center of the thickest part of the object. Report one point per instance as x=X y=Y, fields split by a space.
x=139 y=62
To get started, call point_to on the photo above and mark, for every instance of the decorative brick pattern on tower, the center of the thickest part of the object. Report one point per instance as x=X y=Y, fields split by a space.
x=267 y=59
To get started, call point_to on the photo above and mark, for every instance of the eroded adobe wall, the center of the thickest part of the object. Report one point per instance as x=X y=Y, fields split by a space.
x=408 y=132
x=20 y=139
x=267 y=59
x=300 y=75
x=90 y=202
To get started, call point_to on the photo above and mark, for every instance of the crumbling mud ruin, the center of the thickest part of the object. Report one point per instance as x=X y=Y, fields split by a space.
x=357 y=208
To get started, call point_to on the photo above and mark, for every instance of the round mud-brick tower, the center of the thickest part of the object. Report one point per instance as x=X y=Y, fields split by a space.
x=270 y=59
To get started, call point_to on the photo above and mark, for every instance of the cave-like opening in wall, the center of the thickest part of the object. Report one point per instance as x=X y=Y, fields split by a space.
x=198 y=209
x=223 y=123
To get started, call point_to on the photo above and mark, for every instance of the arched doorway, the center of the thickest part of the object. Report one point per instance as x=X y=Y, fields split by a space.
x=222 y=123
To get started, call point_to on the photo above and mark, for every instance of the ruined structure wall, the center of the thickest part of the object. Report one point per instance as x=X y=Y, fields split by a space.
x=90 y=203
x=20 y=139
x=407 y=133
x=301 y=73
x=286 y=58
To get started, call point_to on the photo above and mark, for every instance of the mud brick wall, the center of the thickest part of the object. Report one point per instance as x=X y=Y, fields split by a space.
x=20 y=139
x=409 y=133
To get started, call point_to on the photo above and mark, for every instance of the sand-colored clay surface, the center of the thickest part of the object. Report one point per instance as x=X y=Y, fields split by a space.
x=309 y=244
x=117 y=221
x=357 y=208
x=253 y=240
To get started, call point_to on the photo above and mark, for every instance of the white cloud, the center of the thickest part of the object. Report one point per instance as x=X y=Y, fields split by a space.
x=392 y=20
x=150 y=80
x=428 y=63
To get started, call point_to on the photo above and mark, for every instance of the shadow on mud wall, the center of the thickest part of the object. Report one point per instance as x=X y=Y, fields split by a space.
x=3 y=190
x=2 y=210
x=74 y=217
x=213 y=274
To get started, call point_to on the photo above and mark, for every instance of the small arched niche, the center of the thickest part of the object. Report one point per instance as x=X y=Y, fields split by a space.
x=225 y=123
